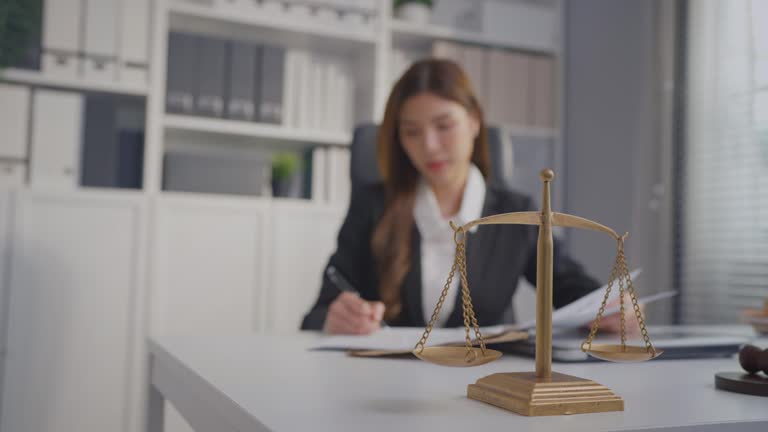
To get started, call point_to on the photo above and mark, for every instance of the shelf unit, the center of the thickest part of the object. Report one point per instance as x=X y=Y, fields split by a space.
x=39 y=79
x=369 y=44
x=186 y=243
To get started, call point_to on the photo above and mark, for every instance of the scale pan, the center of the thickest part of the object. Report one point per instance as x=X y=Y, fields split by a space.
x=627 y=354
x=456 y=356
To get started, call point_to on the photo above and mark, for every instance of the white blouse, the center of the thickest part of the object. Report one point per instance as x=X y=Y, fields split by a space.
x=437 y=245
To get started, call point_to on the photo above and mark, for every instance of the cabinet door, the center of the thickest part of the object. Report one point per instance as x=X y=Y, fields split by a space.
x=207 y=266
x=303 y=238
x=70 y=364
x=208 y=271
x=57 y=122
x=14 y=116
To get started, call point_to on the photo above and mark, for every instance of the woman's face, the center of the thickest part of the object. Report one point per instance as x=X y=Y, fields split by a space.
x=438 y=135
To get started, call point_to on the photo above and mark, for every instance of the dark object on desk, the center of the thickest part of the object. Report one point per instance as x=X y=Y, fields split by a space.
x=742 y=383
x=753 y=359
x=677 y=344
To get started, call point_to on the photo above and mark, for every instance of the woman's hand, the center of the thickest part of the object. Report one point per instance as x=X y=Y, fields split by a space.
x=350 y=314
x=612 y=323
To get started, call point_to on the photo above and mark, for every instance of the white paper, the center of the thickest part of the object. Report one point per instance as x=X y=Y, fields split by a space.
x=584 y=310
x=402 y=338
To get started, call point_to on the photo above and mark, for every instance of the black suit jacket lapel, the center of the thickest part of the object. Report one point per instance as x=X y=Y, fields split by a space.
x=412 y=298
x=480 y=251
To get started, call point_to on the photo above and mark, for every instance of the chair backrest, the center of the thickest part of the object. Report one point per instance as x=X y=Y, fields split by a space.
x=364 y=168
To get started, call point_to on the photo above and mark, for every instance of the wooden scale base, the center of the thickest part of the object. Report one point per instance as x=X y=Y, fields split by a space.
x=523 y=393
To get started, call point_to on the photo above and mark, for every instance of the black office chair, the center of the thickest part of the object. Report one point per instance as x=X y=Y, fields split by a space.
x=364 y=168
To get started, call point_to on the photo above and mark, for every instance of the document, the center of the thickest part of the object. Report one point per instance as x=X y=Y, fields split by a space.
x=584 y=310
x=401 y=340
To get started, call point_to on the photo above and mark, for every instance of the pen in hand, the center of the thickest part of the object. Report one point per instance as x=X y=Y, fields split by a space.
x=343 y=285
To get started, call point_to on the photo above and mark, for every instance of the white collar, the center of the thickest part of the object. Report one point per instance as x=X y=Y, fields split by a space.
x=426 y=212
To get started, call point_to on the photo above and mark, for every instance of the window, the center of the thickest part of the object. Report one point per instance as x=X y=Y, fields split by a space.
x=724 y=229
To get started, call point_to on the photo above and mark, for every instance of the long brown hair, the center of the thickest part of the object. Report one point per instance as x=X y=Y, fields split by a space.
x=391 y=241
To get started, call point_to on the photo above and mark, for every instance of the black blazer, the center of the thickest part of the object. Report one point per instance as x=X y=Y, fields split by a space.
x=497 y=255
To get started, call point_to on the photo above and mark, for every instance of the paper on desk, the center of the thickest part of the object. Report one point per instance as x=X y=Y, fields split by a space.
x=390 y=340
x=584 y=310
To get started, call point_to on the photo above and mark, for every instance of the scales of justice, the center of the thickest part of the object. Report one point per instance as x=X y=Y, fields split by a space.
x=542 y=392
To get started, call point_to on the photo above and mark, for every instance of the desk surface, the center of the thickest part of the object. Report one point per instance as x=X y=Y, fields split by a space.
x=269 y=382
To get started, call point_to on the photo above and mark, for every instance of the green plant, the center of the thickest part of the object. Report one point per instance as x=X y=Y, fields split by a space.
x=19 y=23
x=285 y=165
x=427 y=3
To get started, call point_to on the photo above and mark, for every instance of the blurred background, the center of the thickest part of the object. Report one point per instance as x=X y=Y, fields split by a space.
x=183 y=166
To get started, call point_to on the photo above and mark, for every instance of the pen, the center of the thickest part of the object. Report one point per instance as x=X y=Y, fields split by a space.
x=343 y=284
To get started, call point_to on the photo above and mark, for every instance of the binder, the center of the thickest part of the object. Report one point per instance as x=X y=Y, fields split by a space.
x=134 y=41
x=271 y=93
x=319 y=175
x=542 y=111
x=56 y=137
x=101 y=26
x=61 y=37
x=344 y=181
x=182 y=73
x=100 y=48
x=232 y=172
x=212 y=66
x=303 y=94
x=241 y=88
x=290 y=89
x=323 y=101
x=508 y=88
x=61 y=26
x=130 y=159
x=474 y=61
x=14 y=120
x=99 y=142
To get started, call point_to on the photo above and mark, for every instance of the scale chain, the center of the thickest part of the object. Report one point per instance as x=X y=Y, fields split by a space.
x=459 y=264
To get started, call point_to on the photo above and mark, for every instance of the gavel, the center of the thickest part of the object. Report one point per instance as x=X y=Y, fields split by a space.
x=753 y=359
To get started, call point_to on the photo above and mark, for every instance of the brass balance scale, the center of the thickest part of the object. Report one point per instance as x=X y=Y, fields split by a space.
x=542 y=392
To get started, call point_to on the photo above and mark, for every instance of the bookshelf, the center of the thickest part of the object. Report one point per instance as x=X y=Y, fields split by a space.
x=359 y=37
x=199 y=262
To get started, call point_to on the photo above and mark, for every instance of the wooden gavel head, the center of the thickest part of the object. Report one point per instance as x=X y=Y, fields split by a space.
x=753 y=359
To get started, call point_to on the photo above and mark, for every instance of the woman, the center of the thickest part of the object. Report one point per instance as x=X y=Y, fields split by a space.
x=396 y=247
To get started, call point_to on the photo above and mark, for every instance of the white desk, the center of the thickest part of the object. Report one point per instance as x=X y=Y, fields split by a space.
x=254 y=383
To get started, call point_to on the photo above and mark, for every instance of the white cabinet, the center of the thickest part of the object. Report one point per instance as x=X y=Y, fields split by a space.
x=73 y=330
x=207 y=265
x=14 y=116
x=303 y=238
